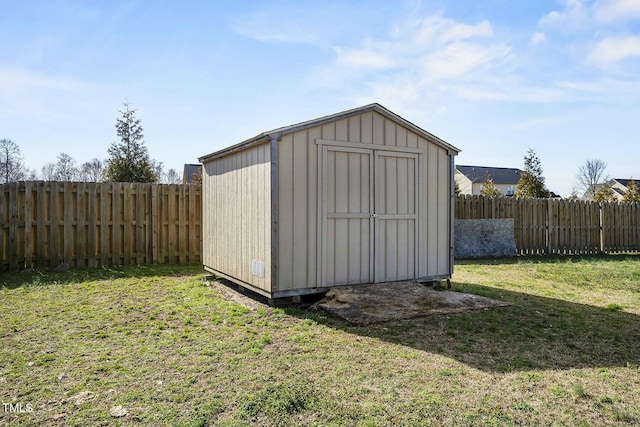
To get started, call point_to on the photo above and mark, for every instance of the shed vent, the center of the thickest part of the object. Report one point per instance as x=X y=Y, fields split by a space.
x=257 y=268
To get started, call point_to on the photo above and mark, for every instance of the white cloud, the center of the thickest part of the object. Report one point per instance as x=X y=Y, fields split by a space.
x=15 y=79
x=439 y=30
x=35 y=95
x=583 y=14
x=614 y=49
x=511 y=89
x=287 y=32
x=581 y=86
x=537 y=123
x=606 y=90
x=297 y=22
x=537 y=38
x=575 y=15
x=460 y=59
x=615 y=10
x=364 y=58
x=603 y=28
x=416 y=54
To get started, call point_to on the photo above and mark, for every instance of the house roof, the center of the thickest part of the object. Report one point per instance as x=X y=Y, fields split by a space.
x=278 y=133
x=498 y=175
x=623 y=181
x=189 y=171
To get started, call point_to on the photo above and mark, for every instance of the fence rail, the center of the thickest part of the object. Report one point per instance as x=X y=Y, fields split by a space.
x=44 y=224
x=552 y=226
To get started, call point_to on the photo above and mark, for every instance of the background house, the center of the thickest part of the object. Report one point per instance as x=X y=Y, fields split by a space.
x=191 y=173
x=619 y=187
x=470 y=179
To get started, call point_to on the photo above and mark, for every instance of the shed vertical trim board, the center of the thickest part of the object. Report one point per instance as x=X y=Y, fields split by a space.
x=452 y=210
x=429 y=200
x=284 y=204
x=444 y=204
x=273 y=197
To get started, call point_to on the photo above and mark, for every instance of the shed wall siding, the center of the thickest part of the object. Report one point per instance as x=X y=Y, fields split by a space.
x=237 y=218
x=298 y=190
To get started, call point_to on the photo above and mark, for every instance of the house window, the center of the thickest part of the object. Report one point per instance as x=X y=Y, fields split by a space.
x=511 y=190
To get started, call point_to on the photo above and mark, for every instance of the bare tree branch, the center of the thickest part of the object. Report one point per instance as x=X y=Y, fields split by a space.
x=590 y=176
x=12 y=167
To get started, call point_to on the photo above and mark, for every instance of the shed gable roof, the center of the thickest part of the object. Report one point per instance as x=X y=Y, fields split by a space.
x=278 y=133
x=498 y=175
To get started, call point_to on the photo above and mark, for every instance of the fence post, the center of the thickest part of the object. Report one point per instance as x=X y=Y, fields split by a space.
x=13 y=225
x=155 y=223
x=601 y=223
x=28 y=235
x=548 y=224
x=92 y=219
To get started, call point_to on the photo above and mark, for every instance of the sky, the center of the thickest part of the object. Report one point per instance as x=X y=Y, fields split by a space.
x=491 y=77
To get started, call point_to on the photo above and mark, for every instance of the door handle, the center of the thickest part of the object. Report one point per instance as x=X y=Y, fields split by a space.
x=374 y=215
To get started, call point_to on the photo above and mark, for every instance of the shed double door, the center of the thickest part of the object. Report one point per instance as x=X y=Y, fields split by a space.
x=369 y=216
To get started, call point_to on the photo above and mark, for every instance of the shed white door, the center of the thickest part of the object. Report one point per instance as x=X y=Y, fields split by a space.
x=369 y=216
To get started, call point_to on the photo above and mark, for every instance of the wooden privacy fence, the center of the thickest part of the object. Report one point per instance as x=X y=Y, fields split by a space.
x=44 y=224
x=555 y=226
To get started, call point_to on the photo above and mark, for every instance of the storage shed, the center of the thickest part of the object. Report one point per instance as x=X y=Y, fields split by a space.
x=356 y=197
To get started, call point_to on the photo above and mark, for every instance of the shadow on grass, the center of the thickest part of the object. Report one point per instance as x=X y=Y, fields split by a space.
x=24 y=278
x=533 y=333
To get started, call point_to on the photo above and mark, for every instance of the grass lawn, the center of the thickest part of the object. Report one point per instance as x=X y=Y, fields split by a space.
x=168 y=349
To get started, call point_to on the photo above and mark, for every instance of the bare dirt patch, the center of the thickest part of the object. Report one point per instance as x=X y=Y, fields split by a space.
x=383 y=302
x=237 y=294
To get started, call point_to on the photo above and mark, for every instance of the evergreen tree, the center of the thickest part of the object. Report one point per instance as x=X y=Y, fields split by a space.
x=605 y=194
x=489 y=188
x=531 y=182
x=129 y=159
x=633 y=193
x=196 y=179
x=574 y=195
